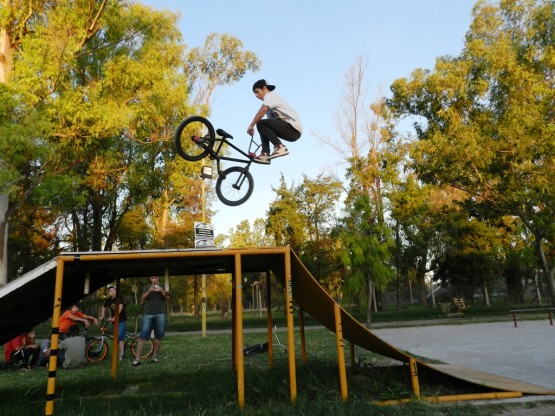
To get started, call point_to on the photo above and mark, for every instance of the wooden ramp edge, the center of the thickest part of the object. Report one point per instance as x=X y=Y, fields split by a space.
x=312 y=297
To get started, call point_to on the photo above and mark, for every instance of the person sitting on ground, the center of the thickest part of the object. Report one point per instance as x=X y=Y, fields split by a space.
x=72 y=317
x=281 y=122
x=18 y=351
x=44 y=354
x=73 y=349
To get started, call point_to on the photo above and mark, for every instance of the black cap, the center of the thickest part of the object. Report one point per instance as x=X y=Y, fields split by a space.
x=261 y=83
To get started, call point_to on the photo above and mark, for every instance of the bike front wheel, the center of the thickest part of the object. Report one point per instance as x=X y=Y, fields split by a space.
x=194 y=138
x=96 y=350
x=147 y=348
x=234 y=185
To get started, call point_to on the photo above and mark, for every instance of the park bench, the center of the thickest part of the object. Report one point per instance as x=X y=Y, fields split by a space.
x=549 y=313
x=460 y=304
x=454 y=308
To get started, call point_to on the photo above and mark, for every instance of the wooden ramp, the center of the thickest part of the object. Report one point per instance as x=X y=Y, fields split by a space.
x=31 y=299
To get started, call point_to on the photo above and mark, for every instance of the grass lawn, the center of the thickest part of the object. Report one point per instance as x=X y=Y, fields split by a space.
x=195 y=377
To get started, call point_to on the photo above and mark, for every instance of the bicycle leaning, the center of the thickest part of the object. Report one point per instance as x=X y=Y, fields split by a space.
x=97 y=348
x=196 y=139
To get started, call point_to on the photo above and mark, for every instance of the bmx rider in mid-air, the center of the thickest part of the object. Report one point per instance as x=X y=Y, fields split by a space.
x=281 y=122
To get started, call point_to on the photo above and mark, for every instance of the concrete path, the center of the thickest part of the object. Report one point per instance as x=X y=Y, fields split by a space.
x=525 y=353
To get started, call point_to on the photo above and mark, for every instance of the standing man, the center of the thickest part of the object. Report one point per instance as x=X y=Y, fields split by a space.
x=72 y=317
x=110 y=304
x=281 y=122
x=154 y=317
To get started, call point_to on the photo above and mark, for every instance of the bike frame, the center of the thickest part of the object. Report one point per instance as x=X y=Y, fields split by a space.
x=106 y=334
x=214 y=152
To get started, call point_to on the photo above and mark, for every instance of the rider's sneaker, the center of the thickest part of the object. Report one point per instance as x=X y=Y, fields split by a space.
x=263 y=158
x=278 y=152
x=120 y=357
x=135 y=363
x=155 y=360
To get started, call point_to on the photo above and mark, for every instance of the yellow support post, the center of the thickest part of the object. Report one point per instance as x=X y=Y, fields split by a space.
x=54 y=342
x=233 y=324
x=239 y=332
x=340 y=352
x=414 y=378
x=455 y=398
x=290 y=329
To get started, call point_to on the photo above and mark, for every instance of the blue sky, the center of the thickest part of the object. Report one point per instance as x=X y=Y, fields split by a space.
x=306 y=47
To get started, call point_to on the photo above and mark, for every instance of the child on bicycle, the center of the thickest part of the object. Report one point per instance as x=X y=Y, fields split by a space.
x=110 y=304
x=73 y=316
x=281 y=122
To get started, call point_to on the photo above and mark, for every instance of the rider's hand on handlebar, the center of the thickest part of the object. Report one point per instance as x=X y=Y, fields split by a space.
x=250 y=130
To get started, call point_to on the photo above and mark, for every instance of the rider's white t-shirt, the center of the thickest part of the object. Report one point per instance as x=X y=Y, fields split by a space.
x=279 y=108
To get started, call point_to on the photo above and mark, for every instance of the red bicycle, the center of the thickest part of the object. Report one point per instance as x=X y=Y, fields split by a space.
x=97 y=348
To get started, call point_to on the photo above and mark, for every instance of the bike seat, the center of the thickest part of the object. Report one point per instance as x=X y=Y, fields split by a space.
x=224 y=134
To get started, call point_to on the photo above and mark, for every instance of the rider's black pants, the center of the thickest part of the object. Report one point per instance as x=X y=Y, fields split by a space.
x=272 y=129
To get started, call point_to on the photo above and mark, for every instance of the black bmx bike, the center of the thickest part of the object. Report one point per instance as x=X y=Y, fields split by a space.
x=196 y=139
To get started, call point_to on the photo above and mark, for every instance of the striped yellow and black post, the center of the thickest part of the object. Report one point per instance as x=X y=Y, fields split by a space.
x=54 y=342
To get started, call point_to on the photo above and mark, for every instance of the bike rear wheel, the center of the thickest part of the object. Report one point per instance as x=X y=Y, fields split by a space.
x=234 y=185
x=194 y=138
x=96 y=350
x=147 y=348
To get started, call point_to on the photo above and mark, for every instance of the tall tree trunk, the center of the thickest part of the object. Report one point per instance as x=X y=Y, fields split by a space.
x=547 y=271
x=195 y=297
x=6 y=63
x=421 y=279
x=369 y=303
x=97 y=227
x=4 y=202
x=6 y=53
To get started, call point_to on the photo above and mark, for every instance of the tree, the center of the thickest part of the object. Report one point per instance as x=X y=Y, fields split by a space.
x=27 y=48
x=319 y=204
x=485 y=122
x=90 y=128
x=246 y=236
x=364 y=141
x=285 y=223
x=220 y=61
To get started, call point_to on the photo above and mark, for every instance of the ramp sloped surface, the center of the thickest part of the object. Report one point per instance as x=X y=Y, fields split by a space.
x=316 y=301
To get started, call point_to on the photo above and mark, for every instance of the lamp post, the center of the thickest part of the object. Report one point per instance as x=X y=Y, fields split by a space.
x=205 y=173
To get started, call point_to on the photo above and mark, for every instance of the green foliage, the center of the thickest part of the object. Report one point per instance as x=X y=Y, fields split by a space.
x=219 y=61
x=93 y=97
x=484 y=119
x=246 y=236
x=285 y=220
